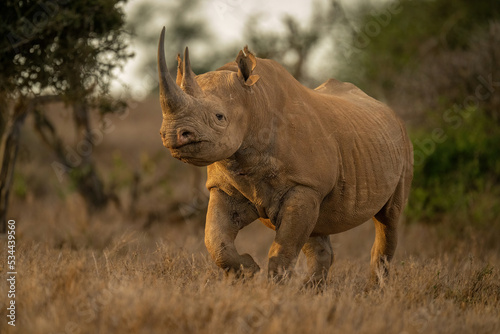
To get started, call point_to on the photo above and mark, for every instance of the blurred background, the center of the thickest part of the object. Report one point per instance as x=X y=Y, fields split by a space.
x=81 y=156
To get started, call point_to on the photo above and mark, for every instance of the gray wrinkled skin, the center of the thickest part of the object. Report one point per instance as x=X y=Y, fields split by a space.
x=307 y=163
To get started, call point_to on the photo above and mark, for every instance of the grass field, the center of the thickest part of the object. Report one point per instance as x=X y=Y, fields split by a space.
x=147 y=271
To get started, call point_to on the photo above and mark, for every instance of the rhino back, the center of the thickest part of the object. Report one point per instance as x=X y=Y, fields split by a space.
x=350 y=147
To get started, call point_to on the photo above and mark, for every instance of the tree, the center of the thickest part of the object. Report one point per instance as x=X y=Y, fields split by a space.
x=58 y=50
x=424 y=51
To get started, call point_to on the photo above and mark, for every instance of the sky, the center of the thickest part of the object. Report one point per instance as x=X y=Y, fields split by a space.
x=230 y=15
x=226 y=19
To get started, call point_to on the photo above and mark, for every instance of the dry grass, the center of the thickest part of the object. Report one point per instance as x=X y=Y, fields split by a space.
x=108 y=273
x=106 y=276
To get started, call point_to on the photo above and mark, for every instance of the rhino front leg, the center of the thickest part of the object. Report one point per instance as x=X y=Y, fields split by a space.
x=319 y=253
x=225 y=217
x=294 y=224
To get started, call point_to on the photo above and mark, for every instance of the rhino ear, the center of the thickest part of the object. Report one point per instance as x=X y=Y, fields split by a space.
x=178 y=80
x=246 y=62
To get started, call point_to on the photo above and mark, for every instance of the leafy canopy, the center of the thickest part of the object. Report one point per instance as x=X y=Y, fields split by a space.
x=62 y=47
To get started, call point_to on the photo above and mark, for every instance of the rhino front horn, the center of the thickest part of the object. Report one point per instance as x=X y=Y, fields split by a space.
x=171 y=96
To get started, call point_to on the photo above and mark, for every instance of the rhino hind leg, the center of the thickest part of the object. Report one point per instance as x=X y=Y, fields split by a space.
x=319 y=254
x=382 y=250
x=386 y=234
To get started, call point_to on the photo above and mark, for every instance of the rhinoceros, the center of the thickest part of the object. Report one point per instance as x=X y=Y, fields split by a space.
x=307 y=163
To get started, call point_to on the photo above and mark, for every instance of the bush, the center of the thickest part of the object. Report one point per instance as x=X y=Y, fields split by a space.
x=457 y=175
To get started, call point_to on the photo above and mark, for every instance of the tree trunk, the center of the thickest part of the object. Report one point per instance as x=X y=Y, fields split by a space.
x=81 y=169
x=89 y=184
x=11 y=124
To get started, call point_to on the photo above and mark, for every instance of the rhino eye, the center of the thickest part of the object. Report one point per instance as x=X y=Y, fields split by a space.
x=220 y=117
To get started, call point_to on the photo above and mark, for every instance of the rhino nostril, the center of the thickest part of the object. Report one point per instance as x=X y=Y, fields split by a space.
x=184 y=136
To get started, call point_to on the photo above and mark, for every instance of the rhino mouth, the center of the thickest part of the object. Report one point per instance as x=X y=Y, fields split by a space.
x=188 y=151
x=187 y=145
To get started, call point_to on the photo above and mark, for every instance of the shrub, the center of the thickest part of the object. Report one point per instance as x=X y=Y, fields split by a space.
x=458 y=176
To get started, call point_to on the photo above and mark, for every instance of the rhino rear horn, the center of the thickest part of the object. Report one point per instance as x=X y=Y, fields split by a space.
x=188 y=82
x=171 y=96
x=178 y=80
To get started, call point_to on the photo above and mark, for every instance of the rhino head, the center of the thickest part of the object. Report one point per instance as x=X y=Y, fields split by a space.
x=202 y=120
